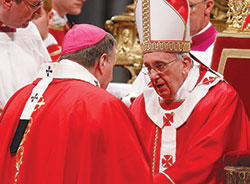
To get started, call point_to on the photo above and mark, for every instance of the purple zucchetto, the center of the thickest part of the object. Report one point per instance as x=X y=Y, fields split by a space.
x=81 y=36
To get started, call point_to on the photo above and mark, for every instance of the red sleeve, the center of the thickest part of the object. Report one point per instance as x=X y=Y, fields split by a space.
x=225 y=127
x=113 y=144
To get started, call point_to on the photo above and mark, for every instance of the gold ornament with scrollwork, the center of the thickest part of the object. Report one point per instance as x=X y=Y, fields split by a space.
x=237 y=13
x=129 y=53
x=219 y=14
x=237 y=175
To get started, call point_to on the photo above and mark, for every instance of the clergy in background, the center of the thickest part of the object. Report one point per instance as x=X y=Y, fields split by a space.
x=65 y=128
x=42 y=22
x=22 y=51
x=60 y=24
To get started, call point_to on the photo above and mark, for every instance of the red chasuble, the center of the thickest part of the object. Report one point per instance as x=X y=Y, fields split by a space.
x=78 y=133
x=218 y=124
x=59 y=32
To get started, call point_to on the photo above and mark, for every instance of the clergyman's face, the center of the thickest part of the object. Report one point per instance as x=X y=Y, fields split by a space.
x=197 y=15
x=20 y=14
x=167 y=83
x=72 y=7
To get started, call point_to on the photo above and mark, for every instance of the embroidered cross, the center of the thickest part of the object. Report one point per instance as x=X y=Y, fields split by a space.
x=96 y=83
x=48 y=71
x=168 y=119
x=209 y=80
x=34 y=97
x=39 y=104
x=167 y=161
x=150 y=85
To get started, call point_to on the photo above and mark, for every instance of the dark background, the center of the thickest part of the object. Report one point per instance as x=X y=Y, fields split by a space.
x=96 y=12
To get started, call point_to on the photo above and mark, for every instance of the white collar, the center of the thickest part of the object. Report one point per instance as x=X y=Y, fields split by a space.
x=189 y=83
x=190 y=94
x=203 y=30
x=58 y=20
x=169 y=120
x=49 y=71
x=50 y=40
x=67 y=69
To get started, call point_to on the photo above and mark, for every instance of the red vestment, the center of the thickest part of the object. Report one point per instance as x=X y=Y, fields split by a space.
x=78 y=133
x=53 y=47
x=218 y=124
x=55 y=51
x=59 y=32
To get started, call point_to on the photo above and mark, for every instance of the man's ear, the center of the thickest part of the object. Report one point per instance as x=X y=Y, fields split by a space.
x=187 y=62
x=102 y=63
x=209 y=7
x=7 y=4
x=50 y=17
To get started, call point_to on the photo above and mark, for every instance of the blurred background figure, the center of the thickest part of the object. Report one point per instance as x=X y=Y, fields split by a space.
x=202 y=30
x=21 y=48
x=42 y=24
x=103 y=11
x=60 y=24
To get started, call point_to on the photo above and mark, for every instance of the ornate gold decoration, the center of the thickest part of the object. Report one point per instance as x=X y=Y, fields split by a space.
x=237 y=13
x=20 y=151
x=129 y=53
x=220 y=9
x=219 y=14
x=237 y=175
x=174 y=46
x=227 y=16
x=39 y=104
x=247 y=29
x=155 y=148
x=148 y=45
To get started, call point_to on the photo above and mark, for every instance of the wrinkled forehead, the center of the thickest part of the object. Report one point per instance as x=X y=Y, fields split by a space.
x=157 y=56
x=32 y=1
x=194 y=1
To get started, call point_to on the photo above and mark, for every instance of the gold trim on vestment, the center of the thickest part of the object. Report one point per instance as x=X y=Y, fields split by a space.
x=55 y=27
x=20 y=151
x=58 y=51
x=167 y=46
x=154 y=151
x=232 y=53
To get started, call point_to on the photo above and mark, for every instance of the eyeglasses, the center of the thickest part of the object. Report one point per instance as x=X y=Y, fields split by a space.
x=32 y=6
x=195 y=4
x=158 y=67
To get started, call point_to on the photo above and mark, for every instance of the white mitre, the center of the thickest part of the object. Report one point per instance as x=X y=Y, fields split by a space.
x=163 y=25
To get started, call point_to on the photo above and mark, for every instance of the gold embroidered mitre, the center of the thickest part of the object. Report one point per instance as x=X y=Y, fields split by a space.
x=163 y=25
